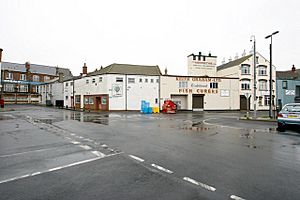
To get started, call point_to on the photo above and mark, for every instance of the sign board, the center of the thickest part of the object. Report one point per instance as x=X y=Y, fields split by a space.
x=224 y=93
x=290 y=92
x=247 y=95
x=117 y=90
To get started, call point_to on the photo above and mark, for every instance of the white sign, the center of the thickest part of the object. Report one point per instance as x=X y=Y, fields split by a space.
x=247 y=95
x=224 y=93
x=290 y=92
x=117 y=90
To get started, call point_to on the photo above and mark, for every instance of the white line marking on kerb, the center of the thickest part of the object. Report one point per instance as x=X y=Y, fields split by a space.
x=137 y=158
x=236 y=197
x=86 y=147
x=98 y=153
x=210 y=188
x=162 y=168
x=75 y=142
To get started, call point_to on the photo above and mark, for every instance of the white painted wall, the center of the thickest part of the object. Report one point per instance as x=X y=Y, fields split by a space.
x=51 y=91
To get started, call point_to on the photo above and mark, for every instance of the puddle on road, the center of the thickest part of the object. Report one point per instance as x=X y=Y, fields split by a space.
x=195 y=126
x=6 y=117
x=98 y=119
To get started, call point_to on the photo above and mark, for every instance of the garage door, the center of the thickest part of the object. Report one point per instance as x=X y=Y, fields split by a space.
x=181 y=101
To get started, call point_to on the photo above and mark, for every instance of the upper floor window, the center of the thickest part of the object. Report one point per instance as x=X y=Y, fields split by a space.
x=157 y=80
x=71 y=83
x=245 y=69
x=183 y=84
x=131 y=80
x=36 y=78
x=284 y=85
x=93 y=80
x=46 y=78
x=9 y=75
x=67 y=84
x=141 y=80
x=262 y=70
x=146 y=80
x=152 y=80
x=119 y=79
x=23 y=77
x=100 y=79
x=263 y=85
x=87 y=81
x=9 y=88
x=213 y=85
x=245 y=85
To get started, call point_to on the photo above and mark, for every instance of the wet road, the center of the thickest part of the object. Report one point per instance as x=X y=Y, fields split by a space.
x=47 y=153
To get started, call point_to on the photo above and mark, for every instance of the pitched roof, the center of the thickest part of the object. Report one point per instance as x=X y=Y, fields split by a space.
x=288 y=75
x=128 y=69
x=234 y=62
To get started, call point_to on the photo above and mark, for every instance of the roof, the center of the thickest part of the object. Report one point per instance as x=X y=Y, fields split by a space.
x=233 y=63
x=36 y=69
x=128 y=69
x=288 y=75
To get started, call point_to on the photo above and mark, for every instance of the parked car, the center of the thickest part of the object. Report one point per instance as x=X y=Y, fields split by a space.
x=289 y=115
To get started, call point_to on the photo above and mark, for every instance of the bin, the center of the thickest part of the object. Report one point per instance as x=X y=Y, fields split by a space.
x=2 y=103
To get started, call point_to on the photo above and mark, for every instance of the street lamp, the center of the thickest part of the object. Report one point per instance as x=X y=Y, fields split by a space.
x=252 y=38
x=271 y=80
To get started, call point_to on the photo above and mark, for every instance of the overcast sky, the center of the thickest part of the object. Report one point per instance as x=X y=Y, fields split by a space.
x=67 y=33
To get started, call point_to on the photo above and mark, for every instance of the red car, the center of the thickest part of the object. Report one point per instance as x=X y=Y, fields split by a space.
x=169 y=107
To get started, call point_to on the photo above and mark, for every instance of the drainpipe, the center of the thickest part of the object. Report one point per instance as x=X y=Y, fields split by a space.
x=125 y=91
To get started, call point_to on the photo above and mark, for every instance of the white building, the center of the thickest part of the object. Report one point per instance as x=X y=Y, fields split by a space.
x=244 y=70
x=118 y=87
x=202 y=65
x=201 y=92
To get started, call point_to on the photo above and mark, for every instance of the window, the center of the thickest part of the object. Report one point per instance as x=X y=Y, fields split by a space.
x=146 y=80
x=93 y=80
x=297 y=90
x=157 y=80
x=156 y=100
x=46 y=78
x=245 y=85
x=262 y=70
x=245 y=69
x=100 y=79
x=87 y=81
x=260 y=101
x=86 y=100
x=119 y=79
x=103 y=100
x=36 y=78
x=141 y=80
x=284 y=84
x=131 y=80
x=267 y=100
x=213 y=85
x=71 y=83
x=152 y=80
x=67 y=84
x=91 y=100
x=263 y=85
x=9 y=88
x=67 y=97
x=23 y=88
x=183 y=84
x=23 y=77
x=77 y=99
x=9 y=76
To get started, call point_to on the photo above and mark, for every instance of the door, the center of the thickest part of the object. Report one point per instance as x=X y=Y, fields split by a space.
x=243 y=103
x=198 y=102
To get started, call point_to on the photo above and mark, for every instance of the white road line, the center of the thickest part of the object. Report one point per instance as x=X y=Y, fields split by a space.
x=75 y=142
x=162 y=168
x=236 y=197
x=80 y=137
x=104 y=145
x=15 y=154
x=98 y=153
x=54 y=169
x=86 y=147
x=137 y=158
x=87 y=139
x=68 y=138
x=72 y=134
x=205 y=186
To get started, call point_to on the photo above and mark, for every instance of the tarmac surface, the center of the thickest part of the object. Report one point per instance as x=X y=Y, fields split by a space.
x=48 y=153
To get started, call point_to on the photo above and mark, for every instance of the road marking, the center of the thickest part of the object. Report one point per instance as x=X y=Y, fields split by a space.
x=57 y=168
x=98 y=153
x=16 y=154
x=68 y=138
x=80 y=137
x=86 y=147
x=87 y=139
x=75 y=142
x=205 y=186
x=72 y=134
x=137 y=158
x=104 y=145
x=236 y=197
x=162 y=168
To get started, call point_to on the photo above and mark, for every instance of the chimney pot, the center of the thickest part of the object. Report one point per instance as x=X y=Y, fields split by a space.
x=293 y=68
x=84 y=69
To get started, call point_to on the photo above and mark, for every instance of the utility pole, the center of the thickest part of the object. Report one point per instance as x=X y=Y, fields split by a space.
x=254 y=74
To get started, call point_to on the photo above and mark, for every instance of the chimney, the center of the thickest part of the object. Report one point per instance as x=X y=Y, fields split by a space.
x=209 y=54
x=1 y=54
x=166 y=71
x=293 y=68
x=27 y=66
x=60 y=77
x=199 y=58
x=84 y=69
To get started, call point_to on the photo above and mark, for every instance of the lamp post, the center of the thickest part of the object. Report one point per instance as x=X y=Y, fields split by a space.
x=271 y=80
x=252 y=38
